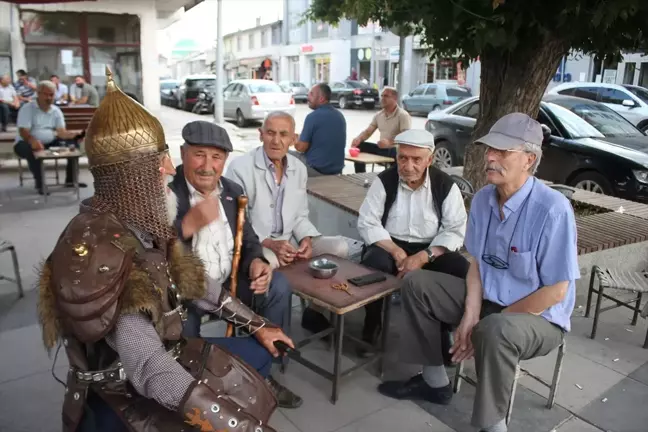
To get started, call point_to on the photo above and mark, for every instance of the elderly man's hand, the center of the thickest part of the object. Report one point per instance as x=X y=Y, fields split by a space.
x=37 y=145
x=414 y=262
x=200 y=215
x=260 y=276
x=305 y=250
x=284 y=251
x=462 y=349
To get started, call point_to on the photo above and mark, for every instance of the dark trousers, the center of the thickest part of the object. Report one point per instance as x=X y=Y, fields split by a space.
x=273 y=305
x=99 y=417
x=25 y=151
x=5 y=115
x=452 y=263
x=368 y=147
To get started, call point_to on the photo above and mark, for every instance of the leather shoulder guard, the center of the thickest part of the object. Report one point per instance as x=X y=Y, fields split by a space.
x=89 y=267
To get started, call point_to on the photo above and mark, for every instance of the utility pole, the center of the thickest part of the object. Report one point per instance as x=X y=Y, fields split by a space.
x=401 y=64
x=372 y=69
x=218 y=96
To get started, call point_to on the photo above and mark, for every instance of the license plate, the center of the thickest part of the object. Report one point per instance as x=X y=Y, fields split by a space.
x=368 y=99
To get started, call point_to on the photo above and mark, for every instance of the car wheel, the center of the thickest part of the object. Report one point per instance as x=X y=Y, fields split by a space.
x=593 y=182
x=643 y=128
x=240 y=119
x=342 y=102
x=436 y=108
x=442 y=155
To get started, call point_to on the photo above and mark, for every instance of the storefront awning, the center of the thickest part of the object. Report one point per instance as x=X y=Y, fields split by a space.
x=21 y=2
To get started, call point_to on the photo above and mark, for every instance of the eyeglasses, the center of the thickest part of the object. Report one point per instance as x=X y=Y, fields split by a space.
x=493 y=260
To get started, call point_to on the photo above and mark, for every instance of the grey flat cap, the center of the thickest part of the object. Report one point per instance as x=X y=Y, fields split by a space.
x=511 y=131
x=204 y=133
x=416 y=138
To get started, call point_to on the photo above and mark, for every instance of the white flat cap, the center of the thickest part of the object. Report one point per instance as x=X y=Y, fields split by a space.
x=416 y=138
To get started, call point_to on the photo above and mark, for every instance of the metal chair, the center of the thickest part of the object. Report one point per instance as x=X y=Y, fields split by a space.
x=6 y=246
x=519 y=372
x=464 y=185
x=628 y=281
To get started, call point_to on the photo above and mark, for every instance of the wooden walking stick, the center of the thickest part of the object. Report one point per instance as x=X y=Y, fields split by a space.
x=238 y=244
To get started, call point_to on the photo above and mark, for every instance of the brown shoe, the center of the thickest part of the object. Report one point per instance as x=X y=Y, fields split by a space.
x=285 y=398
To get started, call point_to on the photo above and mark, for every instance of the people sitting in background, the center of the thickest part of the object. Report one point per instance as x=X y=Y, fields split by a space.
x=83 y=93
x=413 y=217
x=390 y=121
x=519 y=294
x=323 y=138
x=206 y=222
x=9 y=102
x=62 y=96
x=41 y=125
x=25 y=87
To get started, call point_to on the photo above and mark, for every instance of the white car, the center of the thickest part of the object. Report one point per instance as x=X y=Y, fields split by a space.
x=628 y=100
x=253 y=99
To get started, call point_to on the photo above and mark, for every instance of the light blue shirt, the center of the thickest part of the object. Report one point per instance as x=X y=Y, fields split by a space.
x=278 y=192
x=537 y=238
x=42 y=125
x=61 y=91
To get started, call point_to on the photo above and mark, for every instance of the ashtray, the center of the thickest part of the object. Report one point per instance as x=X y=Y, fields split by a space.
x=323 y=268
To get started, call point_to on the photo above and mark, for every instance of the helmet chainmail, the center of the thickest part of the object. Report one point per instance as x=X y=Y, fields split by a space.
x=134 y=192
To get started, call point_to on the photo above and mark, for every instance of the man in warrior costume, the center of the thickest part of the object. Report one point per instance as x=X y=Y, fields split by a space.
x=111 y=294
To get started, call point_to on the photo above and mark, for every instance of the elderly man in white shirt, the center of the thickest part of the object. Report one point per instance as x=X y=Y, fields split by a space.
x=413 y=217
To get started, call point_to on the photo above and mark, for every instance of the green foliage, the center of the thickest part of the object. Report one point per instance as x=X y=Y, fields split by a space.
x=470 y=27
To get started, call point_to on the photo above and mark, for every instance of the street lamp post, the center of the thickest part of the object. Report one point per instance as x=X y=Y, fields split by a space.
x=218 y=96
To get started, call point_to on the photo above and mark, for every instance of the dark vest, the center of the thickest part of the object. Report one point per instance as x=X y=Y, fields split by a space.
x=440 y=184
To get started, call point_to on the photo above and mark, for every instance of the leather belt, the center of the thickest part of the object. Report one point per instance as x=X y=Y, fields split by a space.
x=110 y=375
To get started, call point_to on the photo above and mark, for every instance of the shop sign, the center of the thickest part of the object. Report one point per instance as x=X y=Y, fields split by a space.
x=394 y=54
x=306 y=48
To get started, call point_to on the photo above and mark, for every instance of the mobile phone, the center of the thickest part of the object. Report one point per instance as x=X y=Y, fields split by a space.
x=283 y=348
x=369 y=279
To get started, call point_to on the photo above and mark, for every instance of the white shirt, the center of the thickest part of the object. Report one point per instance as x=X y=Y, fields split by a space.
x=213 y=243
x=7 y=94
x=412 y=218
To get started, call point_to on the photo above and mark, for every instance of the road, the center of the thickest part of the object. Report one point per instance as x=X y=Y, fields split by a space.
x=173 y=121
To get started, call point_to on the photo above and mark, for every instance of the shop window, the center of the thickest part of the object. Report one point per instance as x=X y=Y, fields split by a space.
x=125 y=64
x=50 y=27
x=251 y=41
x=264 y=38
x=629 y=73
x=107 y=28
x=45 y=61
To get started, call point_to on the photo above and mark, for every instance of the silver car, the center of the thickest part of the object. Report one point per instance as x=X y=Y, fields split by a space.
x=246 y=100
x=299 y=90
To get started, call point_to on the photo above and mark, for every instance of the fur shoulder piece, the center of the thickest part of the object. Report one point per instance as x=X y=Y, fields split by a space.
x=188 y=271
x=82 y=280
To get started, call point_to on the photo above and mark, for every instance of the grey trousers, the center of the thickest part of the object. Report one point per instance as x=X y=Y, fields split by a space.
x=431 y=299
x=312 y=172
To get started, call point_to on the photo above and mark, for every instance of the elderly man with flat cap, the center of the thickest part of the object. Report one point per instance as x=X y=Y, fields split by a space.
x=413 y=217
x=518 y=297
x=206 y=222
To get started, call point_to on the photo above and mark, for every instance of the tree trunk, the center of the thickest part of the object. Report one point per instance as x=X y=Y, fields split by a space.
x=510 y=82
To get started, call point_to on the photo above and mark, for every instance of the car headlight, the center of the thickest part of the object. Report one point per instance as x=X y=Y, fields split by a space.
x=202 y=96
x=429 y=126
x=641 y=175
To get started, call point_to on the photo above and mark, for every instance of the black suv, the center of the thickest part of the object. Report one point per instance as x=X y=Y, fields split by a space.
x=189 y=91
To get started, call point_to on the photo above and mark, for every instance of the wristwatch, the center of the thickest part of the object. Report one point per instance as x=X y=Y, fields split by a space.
x=431 y=256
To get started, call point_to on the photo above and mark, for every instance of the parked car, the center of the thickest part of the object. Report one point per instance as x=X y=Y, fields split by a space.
x=298 y=90
x=167 y=92
x=434 y=97
x=188 y=92
x=628 y=100
x=589 y=146
x=246 y=100
x=348 y=94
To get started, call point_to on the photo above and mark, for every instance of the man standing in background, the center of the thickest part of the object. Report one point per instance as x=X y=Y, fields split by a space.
x=323 y=139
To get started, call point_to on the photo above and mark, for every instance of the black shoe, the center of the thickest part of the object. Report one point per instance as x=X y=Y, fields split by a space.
x=371 y=335
x=40 y=192
x=285 y=398
x=416 y=389
x=71 y=185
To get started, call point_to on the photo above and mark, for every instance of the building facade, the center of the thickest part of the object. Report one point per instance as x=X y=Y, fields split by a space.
x=253 y=53
x=82 y=38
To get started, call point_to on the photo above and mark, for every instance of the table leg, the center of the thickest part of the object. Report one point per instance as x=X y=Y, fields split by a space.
x=337 y=366
x=56 y=169
x=373 y=166
x=75 y=161
x=285 y=359
x=385 y=334
x=43 y=180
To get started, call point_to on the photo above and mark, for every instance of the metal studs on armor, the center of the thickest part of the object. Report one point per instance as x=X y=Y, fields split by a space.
x=215 y=408
x=76 y=282
x=103 y=269
x=76 y=396
x=65 y=342
x=232 y=422
x=67 y=390
x=80 y=249
x=258 y=429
